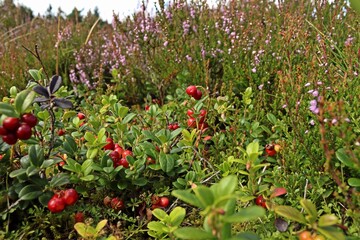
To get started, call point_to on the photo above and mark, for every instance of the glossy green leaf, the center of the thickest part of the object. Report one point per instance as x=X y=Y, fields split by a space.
x=17 y=172
x=101 y=225
x=8 y=110
x=204 y=195
x=36 y=155
x=344 y=158
x=35 y=74
x=160 y=214
x=310 y=209
x=354 y=182
x=167 y=163
x=246 y=214
x=23 y=100
x=84 y=230
x=193 y=233
x=226 y=186
x=331 y=233
x=30 y=192
x=290 y=213
x=157 y=227
x=128 y=118
x=177 y=215
x=59 y=180
x=187 y=197
x=89 y=137
x=328 y=220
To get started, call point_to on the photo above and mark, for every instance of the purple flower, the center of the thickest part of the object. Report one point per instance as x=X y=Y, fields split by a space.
x=313 y=107
x=315 y=93
x=312 y=122
x=260 y=87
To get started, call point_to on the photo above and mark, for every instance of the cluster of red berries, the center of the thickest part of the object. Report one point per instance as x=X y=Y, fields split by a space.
x=14 y=128
x=159 y=202
x=272 y=149
x=173 y=126
x=260 y=201
x=191 y=122
x=118 y=154
x=115 y=203
x=194 y=92
x=61 y=199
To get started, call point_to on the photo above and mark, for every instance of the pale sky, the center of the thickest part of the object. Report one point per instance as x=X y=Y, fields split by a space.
x=106 y=7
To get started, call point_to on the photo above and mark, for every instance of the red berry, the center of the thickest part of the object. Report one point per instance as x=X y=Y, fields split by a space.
x=107 y=201
x=170 y=126
x=115 y=156
x=203 y=112
x=150 y=160
x=24 y=131
x=56 y=204
x=260 y=201
x=30 y=119
x=3 y=131
x=270 y=152
x=155 y=206
x=191 y=122
x=197 y=95
x=10 y=138
x=127 y=153
x=81 y=116
x=11 y=123
x=191 y=90
x=175 y=126
x=70 y=196
x=123 y=162
x=147 y=107
x=61 y=132
x=110 y=145
x=164 y=202
x=190 y=112
x=117 y=204
x=79 y=217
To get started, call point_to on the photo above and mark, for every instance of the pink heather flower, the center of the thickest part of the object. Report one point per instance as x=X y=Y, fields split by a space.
x=334 y=121
x=313 y=107
x=312 y=122
x=284 y=106
x=319 y=83
x=253 y=70
x=166 y=43
x=311 y=91
x=307 y=131
x=307 y=84
x=260 y=87
x=315 y=93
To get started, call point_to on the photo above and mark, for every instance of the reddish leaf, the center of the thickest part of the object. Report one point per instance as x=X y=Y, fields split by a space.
x=278 y=192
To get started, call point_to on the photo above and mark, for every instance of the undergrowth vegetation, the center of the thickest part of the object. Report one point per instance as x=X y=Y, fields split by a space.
x=236 y=121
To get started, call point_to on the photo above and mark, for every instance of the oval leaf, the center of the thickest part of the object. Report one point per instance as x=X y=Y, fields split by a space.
x=7 y=110
x=246 y=214
x=41 y=91
x=290 y=213
x=310 y=209
x=328 y=220
x=354 y=182
x=23 y=100
x=344 y=158
x=193 y=233
x=63 y=103
x=177 y=216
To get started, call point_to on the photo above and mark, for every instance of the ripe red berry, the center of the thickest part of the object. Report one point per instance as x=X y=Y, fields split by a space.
x=3 y=131
x=110 y=145
x=123 y=162
x=175 y=126
x=150 y=160
x=117 y=203
x=81 y=116
x=270 y=152
x=115 y=156
x=10 y=138
x=147 y=107
x=164 y=202
x=191 y=90
x=61 y=132
x=56 y=204
x=170 y=126
x=24 y=131
x=260 y=201
x=11 y=123
x=197 y=95
x=190 y=112
x=191 y=122
x=30 y=119
x=70 y=196
x=79 y=217
x=127 y=153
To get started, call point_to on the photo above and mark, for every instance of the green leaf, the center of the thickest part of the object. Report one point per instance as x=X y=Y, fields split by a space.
x=310 y=209
x=193 y=233
x=23 y=100
x=91 y=153
x=88 y=178
x=271 y=117
x=89 y=137
x=160 y=214
x=344 y=158
x=7 y=110
x=246 y=214
x=35 y=74
x=290 y=213
x=355 y=4
x=128 y=118
x=226 y=186
x=17 y=172
x=36 y=155
x=188 y=197
x=328 y=220
x=30 y=192
x=246 y=236
x=167 y=162
x=204 y=195
x=84 y=230
x=331 y=233
x=175 y=133
x=100 y=225
x=87 y=165
x=157 y=227
x=59 y=180
x=354 y=182
x=177 y=215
